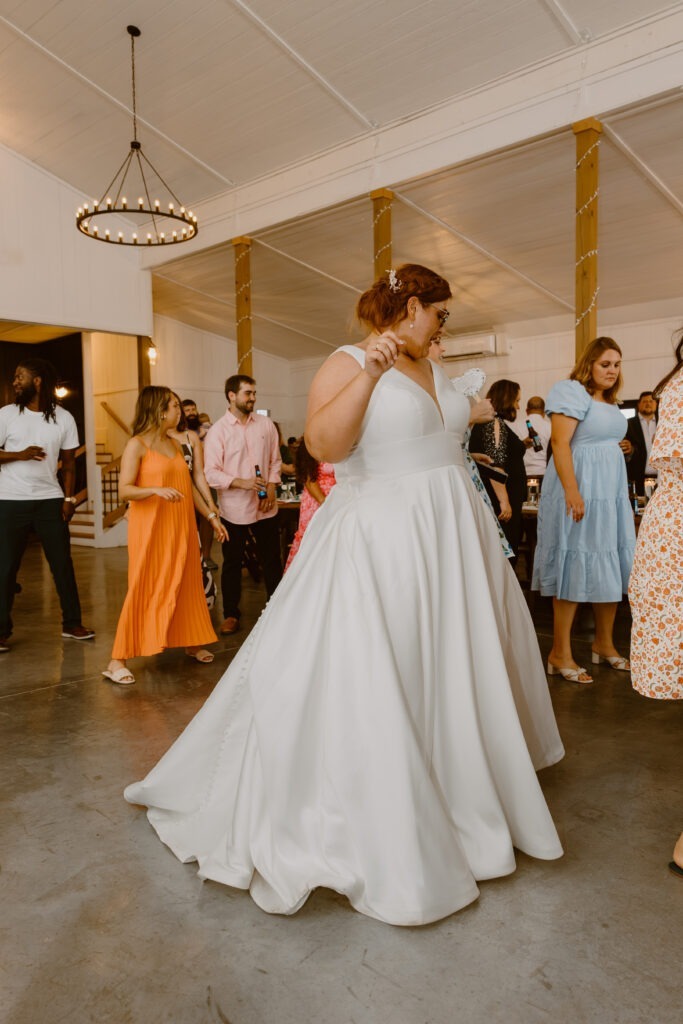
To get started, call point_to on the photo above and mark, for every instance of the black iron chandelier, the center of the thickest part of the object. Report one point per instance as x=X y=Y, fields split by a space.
x=163 y=223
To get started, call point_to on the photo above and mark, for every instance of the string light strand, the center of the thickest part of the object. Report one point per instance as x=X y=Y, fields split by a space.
x=593 y=303
x=588 y=153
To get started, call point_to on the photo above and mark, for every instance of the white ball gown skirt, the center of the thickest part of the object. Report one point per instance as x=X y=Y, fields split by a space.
x=379 y=730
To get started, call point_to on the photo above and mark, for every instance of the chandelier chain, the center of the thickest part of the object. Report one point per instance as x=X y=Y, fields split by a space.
x=132 y=64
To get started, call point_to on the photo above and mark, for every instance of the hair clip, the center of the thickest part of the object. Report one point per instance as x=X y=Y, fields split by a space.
x=394 y=284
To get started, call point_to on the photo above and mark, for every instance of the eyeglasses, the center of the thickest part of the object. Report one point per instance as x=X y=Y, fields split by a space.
x=443 y=314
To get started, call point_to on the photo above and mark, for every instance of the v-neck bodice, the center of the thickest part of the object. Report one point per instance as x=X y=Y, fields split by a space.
x=400 y=419
x=433 y=397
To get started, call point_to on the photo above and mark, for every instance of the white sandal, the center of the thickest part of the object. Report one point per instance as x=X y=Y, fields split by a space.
x=616 y=662
x=122 y=675
x=570 y=674
x=203 y=656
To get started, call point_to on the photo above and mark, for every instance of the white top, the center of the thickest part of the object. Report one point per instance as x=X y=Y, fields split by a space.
x=535 y=463
x=649 y=427
x=34 y=480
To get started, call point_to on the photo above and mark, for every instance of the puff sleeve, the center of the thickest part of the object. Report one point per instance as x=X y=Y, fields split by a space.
x=570 y=398
x=668 y=442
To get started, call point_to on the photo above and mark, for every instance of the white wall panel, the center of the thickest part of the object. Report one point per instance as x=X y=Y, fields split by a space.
x=49 y=273
x=115 y=381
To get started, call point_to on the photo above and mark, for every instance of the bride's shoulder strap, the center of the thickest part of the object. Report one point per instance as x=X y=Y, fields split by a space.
x=352 y=350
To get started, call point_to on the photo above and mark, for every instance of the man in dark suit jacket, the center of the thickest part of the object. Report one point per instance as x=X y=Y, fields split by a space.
x=640 y=432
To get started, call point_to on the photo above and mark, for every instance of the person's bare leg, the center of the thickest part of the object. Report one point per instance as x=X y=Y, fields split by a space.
x=678 y=852
x=561 y=654
x=605 y=614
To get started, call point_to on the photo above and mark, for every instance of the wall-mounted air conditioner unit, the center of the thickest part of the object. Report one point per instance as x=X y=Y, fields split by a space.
x=474 y=346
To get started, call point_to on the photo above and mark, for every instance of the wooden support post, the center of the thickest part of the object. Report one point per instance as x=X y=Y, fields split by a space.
x=144 y=374
x=242 y=248
x=587 y=193
x=382 y=199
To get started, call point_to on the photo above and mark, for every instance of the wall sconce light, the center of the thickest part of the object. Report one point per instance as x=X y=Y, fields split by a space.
x=61 y=392
x=152 y=355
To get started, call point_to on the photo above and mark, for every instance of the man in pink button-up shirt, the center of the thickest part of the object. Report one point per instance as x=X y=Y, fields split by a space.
x=237 y=448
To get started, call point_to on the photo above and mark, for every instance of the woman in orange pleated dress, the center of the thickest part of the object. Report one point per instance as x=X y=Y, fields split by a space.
x=165 y=604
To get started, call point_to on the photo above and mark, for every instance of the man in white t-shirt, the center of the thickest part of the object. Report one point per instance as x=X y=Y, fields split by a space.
x=35 y=434
x=535 y=462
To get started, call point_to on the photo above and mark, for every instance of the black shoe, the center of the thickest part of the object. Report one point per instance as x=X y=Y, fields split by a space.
x=78 y=633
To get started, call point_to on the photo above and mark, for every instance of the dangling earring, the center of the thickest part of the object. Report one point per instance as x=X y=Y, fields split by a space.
x=411 y=326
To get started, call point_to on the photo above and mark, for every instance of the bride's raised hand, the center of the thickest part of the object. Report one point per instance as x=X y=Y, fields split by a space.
x=381 y=354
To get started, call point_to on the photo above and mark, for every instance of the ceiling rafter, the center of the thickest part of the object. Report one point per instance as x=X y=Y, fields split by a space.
x=303 y=63
x=576 y=35
x=308 y=266
x=114 y=101
x=485 y=252
x=231 y=307
x=644 y=169
x=295 y=330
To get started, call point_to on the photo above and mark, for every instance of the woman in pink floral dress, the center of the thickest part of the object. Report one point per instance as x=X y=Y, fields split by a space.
x=656 y=584
x=317 y=480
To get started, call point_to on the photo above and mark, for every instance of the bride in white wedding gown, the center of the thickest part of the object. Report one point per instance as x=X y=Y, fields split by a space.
x=379 y=731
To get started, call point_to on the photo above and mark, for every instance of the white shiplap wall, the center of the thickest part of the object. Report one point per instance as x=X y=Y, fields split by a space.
x=51 y=274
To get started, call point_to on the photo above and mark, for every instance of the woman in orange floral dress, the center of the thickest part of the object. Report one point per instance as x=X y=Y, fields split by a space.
x=656 y=585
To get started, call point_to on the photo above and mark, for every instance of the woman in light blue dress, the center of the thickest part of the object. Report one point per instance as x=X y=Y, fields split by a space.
x=586 y=534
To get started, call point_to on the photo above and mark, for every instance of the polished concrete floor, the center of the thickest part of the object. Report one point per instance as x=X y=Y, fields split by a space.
x=101 y=924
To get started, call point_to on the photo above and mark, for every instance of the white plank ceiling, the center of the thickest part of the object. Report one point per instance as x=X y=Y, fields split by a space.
x=229 y=91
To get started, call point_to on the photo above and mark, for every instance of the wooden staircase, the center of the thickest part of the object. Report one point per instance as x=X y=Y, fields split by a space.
x=102 y=457
x=82 y=526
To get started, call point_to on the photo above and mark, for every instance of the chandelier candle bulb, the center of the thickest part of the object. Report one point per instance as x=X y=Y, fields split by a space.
x=106 y=234
x=109 y=204
x=141 y=203
x=170 y=207
x=156 y=204
x=135 y=239
x=149 y=239
x=124 y=203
